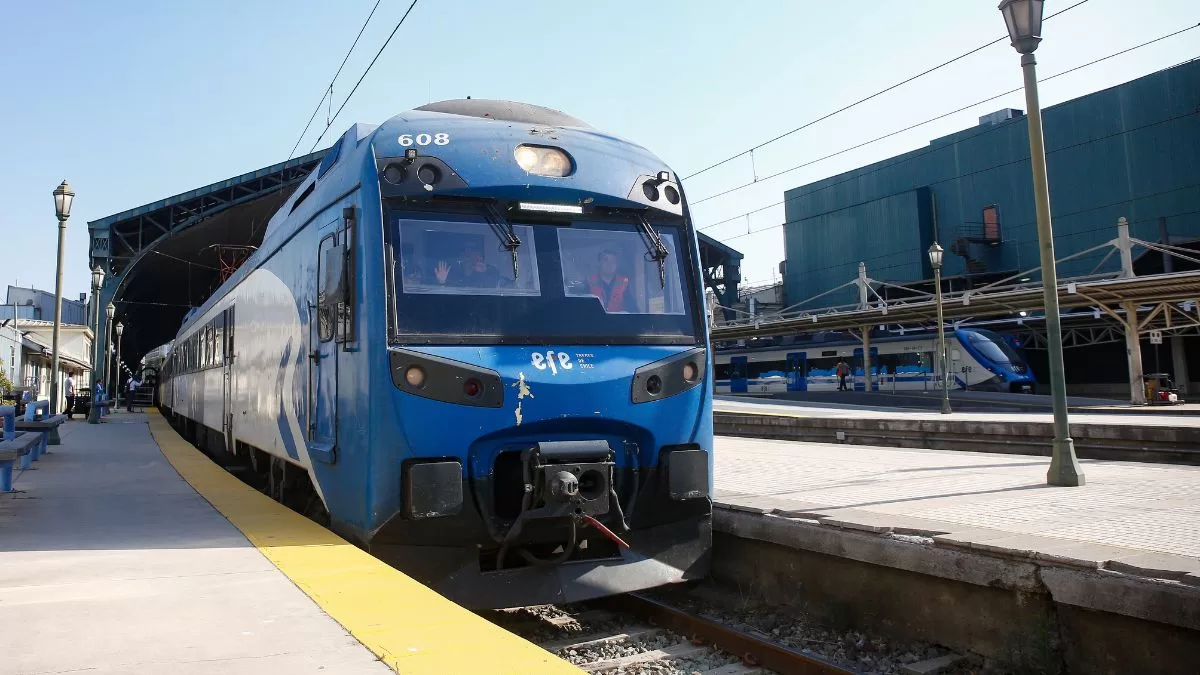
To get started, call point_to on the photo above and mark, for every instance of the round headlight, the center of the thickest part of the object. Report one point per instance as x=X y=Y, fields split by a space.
x=415 y=376
x=689 y=372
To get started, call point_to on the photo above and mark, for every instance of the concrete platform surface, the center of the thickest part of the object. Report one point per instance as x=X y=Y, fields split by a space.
x=121 y=556
x=110 y=563
x=841 y=409
x=1130 y=516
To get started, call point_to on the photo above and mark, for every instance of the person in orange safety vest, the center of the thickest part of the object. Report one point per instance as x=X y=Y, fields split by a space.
x=609 y=286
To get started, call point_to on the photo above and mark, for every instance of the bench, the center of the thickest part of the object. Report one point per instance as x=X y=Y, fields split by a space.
x=14 y=446
x=47 y=427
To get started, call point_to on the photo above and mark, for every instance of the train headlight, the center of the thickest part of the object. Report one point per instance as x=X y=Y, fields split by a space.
x=415 y=376
x=689 y=372
x=543 y=161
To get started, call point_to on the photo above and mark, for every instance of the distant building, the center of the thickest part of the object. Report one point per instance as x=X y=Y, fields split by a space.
x=26 y=342
x=1132 y=150
x=11 y=352
x=31 y=303
x=1129 y=151
x=74 y=356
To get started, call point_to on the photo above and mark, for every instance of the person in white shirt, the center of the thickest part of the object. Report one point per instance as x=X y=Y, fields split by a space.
x=131 y=386
x=70 y=394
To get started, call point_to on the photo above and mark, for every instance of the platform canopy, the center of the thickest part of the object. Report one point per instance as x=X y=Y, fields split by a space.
x=165 y=257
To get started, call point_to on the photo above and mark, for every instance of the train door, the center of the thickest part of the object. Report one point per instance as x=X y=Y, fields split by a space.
x=323 y=356
x=797 y=371
x=226 y=337
x=737 y=374
x=858 y=364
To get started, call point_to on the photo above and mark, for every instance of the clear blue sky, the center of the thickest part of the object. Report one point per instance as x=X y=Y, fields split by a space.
x=136 y=101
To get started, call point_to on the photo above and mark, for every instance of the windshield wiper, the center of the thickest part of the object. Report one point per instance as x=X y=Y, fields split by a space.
x=504 y=231
x=656 y=250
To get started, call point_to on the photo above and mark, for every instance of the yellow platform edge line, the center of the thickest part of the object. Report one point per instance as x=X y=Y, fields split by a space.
x=406 y=625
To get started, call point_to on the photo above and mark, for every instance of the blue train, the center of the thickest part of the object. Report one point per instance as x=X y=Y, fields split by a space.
x=473 y=342
x=978 y=359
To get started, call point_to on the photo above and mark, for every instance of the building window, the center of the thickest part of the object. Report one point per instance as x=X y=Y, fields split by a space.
x=991 y=224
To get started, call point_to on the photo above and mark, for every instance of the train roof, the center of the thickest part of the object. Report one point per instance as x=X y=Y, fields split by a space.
x=509 y=111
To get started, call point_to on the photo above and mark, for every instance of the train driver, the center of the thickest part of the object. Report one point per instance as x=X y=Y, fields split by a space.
x=611 y=288
x=471 y=270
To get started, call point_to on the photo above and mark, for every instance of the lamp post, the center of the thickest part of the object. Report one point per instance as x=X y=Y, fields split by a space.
x=109 y=311
x=935 y=261
x=97 y=282
x=1024 y=21
x=63 y=196
x=120 y=328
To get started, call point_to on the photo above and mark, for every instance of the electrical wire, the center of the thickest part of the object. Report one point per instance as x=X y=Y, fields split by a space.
x=875 y=95
x=933 y=119
x=328 y=93
x=857 y=176
x=364 y=75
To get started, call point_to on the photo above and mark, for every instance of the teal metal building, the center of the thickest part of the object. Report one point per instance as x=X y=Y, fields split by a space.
x=1132 y=150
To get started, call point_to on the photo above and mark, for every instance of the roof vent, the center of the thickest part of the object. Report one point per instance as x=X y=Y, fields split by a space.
x=1000 y=116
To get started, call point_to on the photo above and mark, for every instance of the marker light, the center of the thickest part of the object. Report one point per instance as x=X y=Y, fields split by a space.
x=542 y=161
x=550 y=208
x=414 y=376
x=472 y=388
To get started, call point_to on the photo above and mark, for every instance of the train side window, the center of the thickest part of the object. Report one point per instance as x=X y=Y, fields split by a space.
x=330 y=258
x=721 y=371
x=767 y=369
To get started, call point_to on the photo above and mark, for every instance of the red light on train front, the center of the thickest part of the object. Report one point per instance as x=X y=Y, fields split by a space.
x=472 y=388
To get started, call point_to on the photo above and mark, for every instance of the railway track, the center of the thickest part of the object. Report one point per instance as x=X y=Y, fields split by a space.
x=634 y=633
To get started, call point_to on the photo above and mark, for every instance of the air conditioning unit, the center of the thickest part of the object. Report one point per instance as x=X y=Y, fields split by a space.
x=1001 y=116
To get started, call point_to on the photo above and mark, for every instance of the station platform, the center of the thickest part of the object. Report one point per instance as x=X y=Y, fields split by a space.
x=1134 y=436
x=970 y=549
x=126 y=550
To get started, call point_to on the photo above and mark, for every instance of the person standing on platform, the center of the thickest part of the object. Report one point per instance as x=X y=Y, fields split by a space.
x=70 y=394
x=842 y=372
x=131 y=386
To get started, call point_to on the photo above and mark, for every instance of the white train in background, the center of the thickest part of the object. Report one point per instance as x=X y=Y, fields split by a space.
x=979 y=360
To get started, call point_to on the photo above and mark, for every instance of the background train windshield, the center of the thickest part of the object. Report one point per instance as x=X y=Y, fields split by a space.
x=583 y=283
x=993 y=347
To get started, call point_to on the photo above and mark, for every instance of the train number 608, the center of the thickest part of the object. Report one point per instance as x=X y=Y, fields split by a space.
x=424 y=139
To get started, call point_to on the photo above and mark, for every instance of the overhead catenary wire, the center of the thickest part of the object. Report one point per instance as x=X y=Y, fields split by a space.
x=877 y=94
x=933 y=119
x=931 y=149
x=371 y=65
x=328 y=92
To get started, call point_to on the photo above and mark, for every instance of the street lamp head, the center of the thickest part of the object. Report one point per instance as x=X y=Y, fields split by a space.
x=97 y=279
x=120 y=328
x=1024 y=20
x=935 y=256
x=110 y=310
x=63 y=196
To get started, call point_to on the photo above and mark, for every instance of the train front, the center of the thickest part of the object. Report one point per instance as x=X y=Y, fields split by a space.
x=548 y=360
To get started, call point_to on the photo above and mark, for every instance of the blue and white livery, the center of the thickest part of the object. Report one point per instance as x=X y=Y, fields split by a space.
x=978 y=359
x=473 y=342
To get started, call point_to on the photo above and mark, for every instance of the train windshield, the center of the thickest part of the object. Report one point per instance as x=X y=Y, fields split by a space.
x=993 y=347
x=461 y=279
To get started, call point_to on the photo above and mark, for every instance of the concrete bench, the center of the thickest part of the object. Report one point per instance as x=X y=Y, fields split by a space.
x=15 y=446
x=47 y=427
